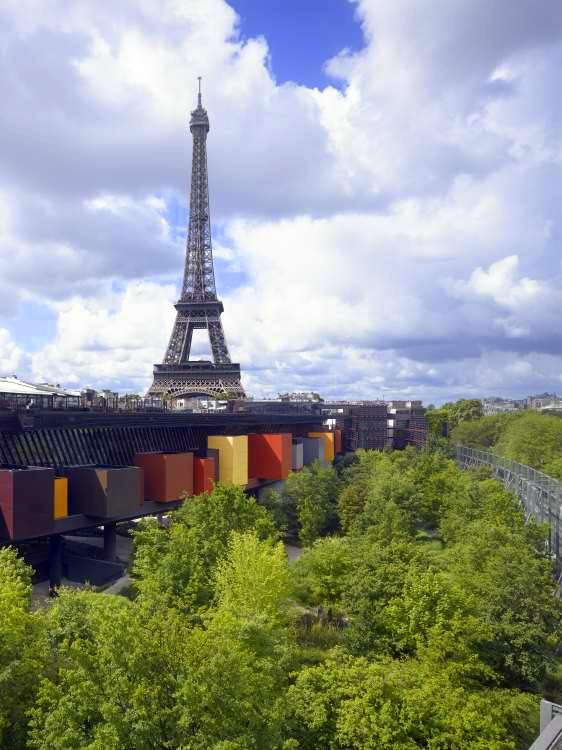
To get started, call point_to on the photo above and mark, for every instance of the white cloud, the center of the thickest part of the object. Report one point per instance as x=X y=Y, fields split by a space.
x=399 y=235
x=112 y=339
x=11 y=355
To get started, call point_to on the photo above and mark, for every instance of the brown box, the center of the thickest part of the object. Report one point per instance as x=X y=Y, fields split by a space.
x=26 y=502
x=104 y=491
x=167 y=476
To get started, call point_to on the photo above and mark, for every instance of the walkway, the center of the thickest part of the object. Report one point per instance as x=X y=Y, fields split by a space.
x=539 y=494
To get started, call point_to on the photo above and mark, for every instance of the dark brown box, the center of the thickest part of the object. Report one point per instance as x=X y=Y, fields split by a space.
x=104 y=491
x=215 y=453
x=26 y=502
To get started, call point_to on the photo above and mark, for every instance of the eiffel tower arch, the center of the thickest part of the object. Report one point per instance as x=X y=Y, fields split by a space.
x=198 y=306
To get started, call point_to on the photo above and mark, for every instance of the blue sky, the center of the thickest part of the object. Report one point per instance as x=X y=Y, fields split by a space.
x=386 y=219
x=301 y=35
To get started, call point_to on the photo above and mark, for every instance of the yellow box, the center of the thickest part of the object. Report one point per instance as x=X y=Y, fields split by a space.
x=60 y=509
x=233 y=457
x=329 y=444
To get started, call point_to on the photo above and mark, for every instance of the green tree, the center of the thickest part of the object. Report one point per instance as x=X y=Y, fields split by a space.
x=277 y=508
x=230 y=698
x=465 y=410
x=253 y=583
x=482 y=433
x=508 y=586
x=22 y=660
x=138 y=675
x=376 y=578
x=322 y=570
x=175 y=565
x=115 y=670
x=349 y=703
x=437 y=421
x=232 y=695
x=533 y=439
x=313 y=492
x=553 y=468
x=351 y=504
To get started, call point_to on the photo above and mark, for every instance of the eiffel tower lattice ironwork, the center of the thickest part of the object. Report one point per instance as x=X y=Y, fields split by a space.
x=198 y=306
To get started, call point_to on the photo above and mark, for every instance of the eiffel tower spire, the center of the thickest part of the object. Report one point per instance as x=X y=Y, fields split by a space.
x=198 y=305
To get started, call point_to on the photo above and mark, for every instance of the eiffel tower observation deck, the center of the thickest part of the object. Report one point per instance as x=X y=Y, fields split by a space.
x=198 y=307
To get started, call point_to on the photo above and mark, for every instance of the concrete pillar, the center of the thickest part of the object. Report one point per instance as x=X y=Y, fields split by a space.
x=55 y=562
x=109 y=541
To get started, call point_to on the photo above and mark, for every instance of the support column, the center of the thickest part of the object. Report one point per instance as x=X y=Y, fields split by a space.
x=55 y=563
x=109 y=541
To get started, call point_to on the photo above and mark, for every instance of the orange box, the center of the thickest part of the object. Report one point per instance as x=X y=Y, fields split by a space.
x=167 y=476
x=203 y=475
x=60 y=505
x=270 y=456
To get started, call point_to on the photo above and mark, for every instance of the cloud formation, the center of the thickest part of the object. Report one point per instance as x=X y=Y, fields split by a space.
x=396 y=234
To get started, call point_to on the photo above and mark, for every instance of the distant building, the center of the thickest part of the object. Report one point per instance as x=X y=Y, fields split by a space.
x=299 y=396
x=407 y=423
x=495 y=405
x=371 y=425
x=544 y=401
x=16 y=393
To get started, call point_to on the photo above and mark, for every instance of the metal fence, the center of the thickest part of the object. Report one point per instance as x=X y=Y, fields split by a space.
x=539 y=494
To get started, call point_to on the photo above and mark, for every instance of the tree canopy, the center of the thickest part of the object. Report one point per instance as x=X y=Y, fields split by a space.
x=531 y=438
x=421 y=614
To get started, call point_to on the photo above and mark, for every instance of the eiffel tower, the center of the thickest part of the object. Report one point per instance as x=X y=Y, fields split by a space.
x=198 y=306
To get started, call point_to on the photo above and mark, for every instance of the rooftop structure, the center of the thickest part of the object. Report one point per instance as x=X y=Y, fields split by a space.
x=15 y=386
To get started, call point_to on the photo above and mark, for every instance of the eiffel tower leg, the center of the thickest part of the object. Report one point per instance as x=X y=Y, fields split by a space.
x=177 y=341
x=188 y=338
x=218 y=342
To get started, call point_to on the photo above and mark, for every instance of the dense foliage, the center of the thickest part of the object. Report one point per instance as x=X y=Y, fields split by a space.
x=531 y=438
x=452 y=414
x=421 y=614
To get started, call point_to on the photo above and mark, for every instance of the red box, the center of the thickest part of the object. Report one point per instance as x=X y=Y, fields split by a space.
x=167 y=476
x=270 y=456
x=203 y=475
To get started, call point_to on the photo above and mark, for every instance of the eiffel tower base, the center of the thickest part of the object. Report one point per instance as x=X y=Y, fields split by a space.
x=192 y=380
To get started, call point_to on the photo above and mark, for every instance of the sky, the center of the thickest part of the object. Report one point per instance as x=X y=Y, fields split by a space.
x=385 y=187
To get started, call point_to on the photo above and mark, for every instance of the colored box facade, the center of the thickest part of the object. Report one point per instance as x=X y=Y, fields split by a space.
x=233 y=457
x=26 y=502
x=329 y=443
x=269 y=456
x=103 y=491
x=298 y=456
x=203 y=475
x=60 y=502
x=313 y=450
x=167 y=476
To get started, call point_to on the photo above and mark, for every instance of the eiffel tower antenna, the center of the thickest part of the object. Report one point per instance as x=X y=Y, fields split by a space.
x=198 y=306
